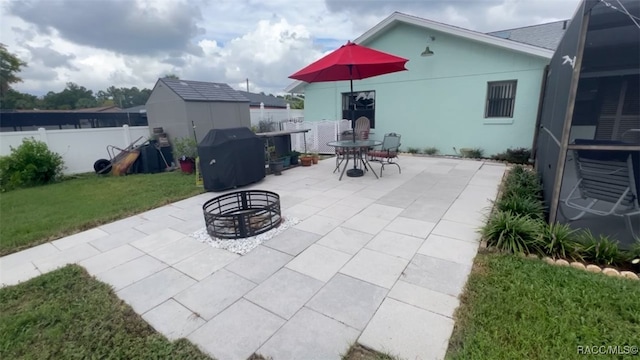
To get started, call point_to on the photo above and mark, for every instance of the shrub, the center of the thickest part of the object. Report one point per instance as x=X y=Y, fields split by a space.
x=185 y=148
x=514 y=233
x=30 y=164
x=525 y=206
x=266 y=126
x=475 y=153
x=522 y=183
x=514 y=156
x=413 y=150
x=559 y=240
x=600 y=250
x=633 y=254
x=432 y=150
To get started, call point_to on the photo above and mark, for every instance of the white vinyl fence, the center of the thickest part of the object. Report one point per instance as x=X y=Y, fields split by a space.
x=79 y=148
x=275 y=115
x=321 y=132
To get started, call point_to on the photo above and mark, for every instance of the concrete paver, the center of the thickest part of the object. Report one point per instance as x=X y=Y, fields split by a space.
x=348 y=300
x=155 y=289
x=439 y=275
x=379 y=260
x=205 y=262
x=285 y=292
x=395 y=244
x=312 y=336
x=408 y=332
x=173 y=320
x=292 y=241
x=375 y=267
x=345 y=240
x=237 y=332
x=259 y=263
x=215 y=293
x=319 y=262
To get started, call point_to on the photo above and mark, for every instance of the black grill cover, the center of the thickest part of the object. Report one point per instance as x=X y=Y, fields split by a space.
x=230 y=158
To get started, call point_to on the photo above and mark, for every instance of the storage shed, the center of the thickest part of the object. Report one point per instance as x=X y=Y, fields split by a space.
x=178 y=105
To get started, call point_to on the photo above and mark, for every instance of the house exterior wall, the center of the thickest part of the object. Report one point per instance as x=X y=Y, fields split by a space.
x=219 y=115
x=441 y=100
x=167 y=110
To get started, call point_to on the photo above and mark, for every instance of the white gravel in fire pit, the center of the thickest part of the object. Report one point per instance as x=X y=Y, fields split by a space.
x=243 y=246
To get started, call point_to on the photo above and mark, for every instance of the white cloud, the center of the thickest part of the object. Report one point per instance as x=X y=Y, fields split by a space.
x=226 y=40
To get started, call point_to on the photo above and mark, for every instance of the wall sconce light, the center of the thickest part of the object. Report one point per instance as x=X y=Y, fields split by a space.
x=427 y=51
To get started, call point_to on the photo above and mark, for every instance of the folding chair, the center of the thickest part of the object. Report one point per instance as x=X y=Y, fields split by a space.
x=606 y=176
x=388 y=153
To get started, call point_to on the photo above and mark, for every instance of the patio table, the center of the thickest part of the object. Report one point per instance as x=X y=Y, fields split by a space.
x=355 y=148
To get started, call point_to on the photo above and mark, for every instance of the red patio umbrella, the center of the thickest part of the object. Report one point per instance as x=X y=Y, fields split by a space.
x=351 y=62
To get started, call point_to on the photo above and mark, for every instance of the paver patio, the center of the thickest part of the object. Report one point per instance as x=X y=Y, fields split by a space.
x=377 y=261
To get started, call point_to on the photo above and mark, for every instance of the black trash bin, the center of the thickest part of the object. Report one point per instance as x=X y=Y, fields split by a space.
x=231 y=158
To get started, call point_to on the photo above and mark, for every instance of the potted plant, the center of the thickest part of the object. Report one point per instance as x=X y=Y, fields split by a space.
x=306 y=159
x=294 y=157
x=186 y=151
x=315 y=157
x=275 y=165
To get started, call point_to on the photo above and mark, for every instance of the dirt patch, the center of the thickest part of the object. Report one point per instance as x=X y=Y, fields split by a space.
x=359 y=352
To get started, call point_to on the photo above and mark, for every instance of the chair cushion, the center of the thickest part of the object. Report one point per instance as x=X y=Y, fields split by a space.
x=384 y=154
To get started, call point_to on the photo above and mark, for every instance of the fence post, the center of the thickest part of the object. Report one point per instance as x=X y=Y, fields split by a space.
x=127 y=135
x=43 y=136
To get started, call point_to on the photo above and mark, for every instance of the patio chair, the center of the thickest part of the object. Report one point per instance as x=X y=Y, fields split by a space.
x=362 y=128
x=388 y=152
x=612 y=177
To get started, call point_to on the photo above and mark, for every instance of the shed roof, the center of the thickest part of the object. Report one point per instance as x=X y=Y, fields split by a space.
x=546 y=36
x=267 y=100
x=190 y=90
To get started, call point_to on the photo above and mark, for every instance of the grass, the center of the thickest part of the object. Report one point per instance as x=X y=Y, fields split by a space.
x=39 y=214
x=518 y=308
x=67 y=314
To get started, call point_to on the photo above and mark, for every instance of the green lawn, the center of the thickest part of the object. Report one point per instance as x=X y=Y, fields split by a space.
x=67 y=314
x=517 y=308
x=35 y=215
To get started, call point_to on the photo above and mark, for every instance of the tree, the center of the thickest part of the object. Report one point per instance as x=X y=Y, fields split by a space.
x=16 y=100
x=73 y=96
x=171 y=76
x=10 y=65
x=295 y=101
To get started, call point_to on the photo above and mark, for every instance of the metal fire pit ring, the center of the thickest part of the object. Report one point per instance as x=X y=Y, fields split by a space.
x=242 y=214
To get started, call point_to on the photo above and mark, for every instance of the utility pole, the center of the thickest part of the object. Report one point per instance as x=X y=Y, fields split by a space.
x=247 y=84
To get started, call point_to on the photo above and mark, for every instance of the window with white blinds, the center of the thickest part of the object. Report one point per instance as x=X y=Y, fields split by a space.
x=501 y=99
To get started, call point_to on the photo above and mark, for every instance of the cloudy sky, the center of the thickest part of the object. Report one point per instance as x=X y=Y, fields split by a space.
x=99 y=43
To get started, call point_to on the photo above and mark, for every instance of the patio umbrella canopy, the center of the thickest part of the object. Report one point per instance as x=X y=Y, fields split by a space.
x=351 y=62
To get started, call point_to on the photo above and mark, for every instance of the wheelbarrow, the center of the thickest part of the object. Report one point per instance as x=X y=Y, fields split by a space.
x=120 y=160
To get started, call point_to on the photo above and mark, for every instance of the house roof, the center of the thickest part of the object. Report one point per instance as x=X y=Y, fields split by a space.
x=268 y=100
x=110 y=108
x=135 y=109
x=190 y=90
x=488 y=39
x=546 y=36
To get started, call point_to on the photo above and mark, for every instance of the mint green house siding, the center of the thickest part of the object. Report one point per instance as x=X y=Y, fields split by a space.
x=440 y=101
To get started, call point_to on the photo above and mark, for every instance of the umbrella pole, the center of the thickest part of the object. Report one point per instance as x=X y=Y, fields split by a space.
x=355 y=172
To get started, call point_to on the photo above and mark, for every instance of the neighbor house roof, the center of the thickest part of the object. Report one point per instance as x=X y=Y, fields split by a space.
x=269 y=101
x=110 y=108
x=488 y=39
x=190 y=90
x=546 y=36
x=135 y=109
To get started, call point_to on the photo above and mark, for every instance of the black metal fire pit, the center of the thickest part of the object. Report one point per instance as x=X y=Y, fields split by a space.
x=242 y=214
